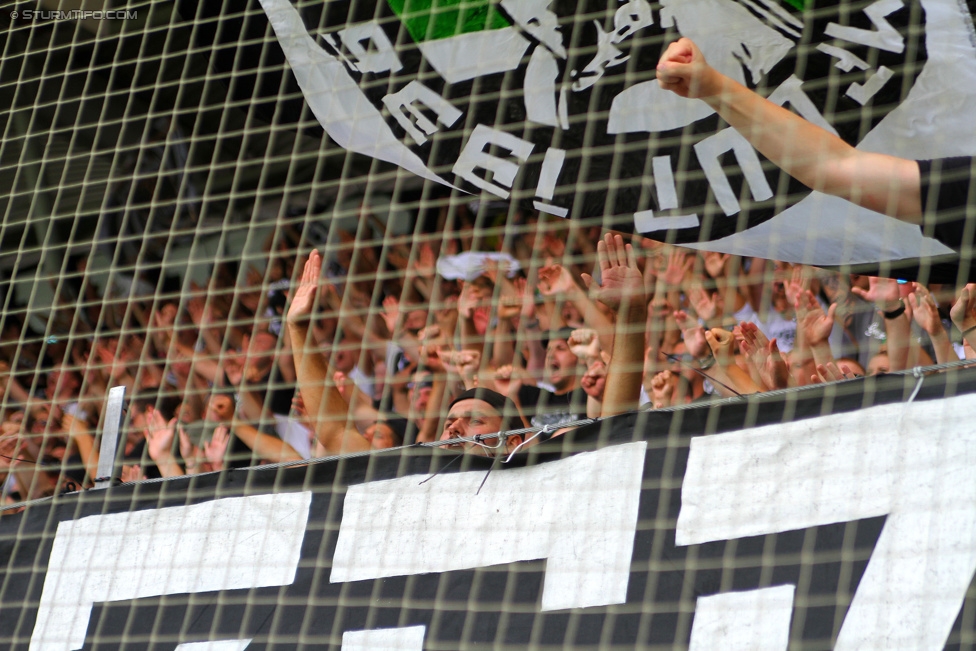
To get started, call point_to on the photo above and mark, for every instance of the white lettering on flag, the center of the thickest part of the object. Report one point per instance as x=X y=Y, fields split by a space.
x=410 y=638
x=910 y=462
x=579 y=513
x=885 y=37
x=754 y=620
x=229 y=544
x=474 y=156
x=708 y=151
x=215 y=645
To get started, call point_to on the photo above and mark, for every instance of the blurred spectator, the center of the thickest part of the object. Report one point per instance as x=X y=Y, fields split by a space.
x=469 y=327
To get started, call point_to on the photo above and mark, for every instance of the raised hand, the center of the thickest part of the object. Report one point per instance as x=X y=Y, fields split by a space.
x=751 y=339
x=593 y=381
x=885 y=293
x=507 y=381
x=196 y=307
x=715 y=263
x=555 y=280
x=303 y=296
x=662 y=388
x=495 y=269
x=830 y=372
x=680 y=264
x=708 y=305
x=925 y=311
x=188 y=450
x=799 y=282
x=391 y=312
x=115 y=366
x=722 y=344
x=585 y=344
x=426 y=261
x=463 y=362
x=692 y=333
x=471 y=298
x=774 y=371
x=763 y=354
x=684 y=71
x=511 y=299
x=343 y=385
x=430 y=346
x=159 y=436
x=553 y=245
x=963 y=311
x=130 y=474
x=215 y=449
x=527 y=310
x=813 y=324
x=621 y=278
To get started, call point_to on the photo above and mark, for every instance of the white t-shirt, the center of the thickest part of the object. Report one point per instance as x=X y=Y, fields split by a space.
x=780 y=328
x=294 y=434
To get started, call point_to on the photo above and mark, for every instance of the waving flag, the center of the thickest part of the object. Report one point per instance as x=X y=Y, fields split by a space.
x=554 y=105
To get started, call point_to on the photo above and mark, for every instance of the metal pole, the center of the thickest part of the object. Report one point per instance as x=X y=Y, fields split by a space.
x=108 y=470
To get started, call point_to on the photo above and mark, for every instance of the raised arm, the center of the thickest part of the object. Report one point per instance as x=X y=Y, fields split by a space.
x=322 y=399
x=622 y=290
x=818 y=159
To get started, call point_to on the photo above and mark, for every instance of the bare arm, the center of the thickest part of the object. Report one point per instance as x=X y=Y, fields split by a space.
x=963 y=313
x=726 y=371
x=818 y=159
x=264 y=446
x=322 y=399
x=925 y=312
x=82 y=438
x=623 y=292
x=886 y=295
x=556 y=280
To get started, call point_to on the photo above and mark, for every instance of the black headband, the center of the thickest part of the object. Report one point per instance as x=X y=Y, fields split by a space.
x=398 y=425
x=511 y=419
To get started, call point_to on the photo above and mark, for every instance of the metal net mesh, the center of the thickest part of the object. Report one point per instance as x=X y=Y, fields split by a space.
x=445 y=180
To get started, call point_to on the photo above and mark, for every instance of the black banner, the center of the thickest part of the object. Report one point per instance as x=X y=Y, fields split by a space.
x=277 y=557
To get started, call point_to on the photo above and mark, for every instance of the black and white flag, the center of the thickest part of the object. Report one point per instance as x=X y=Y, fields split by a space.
x=837 y=517
x=554 y=105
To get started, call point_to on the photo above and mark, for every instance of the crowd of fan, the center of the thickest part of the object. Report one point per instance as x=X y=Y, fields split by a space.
x=381 y=343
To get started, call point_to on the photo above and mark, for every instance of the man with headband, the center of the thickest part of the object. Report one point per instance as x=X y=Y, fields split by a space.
x=481 y=411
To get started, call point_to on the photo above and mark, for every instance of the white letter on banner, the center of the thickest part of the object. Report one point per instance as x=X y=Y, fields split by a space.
x=474 y=156
x=754 y=620
x=228 y=544
x=885 y=37
x=791 y=92
x=579 y=513
x=708 y=151
x=667 y=199
x=215 y=645
x=846 y=61
x=913 y=463
x=415 y=91
x=410 y=638
x=380 y=57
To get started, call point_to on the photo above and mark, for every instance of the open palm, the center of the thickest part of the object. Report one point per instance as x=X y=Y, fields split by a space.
x=304 y=296
x=620 y=277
